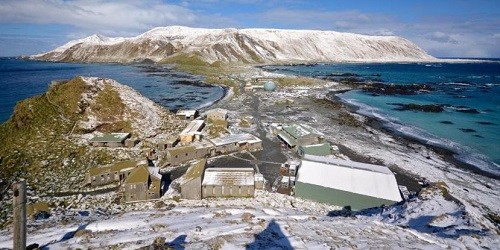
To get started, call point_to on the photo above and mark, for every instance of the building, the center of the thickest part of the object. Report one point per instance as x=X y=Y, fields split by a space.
x=178 y=155
x=322 y=149
x=111 y=140
x=113 y=173
x=168 y=143
x=187 y=114
x=228 y=182
x=345 y=183
x=191 y=185
x=235 y=143
x=217 y=114
x=193 y=128
x=143 y=183
x=298 y=135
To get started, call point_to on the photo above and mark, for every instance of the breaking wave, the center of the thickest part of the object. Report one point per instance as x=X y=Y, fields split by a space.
x=461 y=152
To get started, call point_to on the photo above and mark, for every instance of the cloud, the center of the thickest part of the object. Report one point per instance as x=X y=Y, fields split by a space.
x=107 y=17
x=439 y=36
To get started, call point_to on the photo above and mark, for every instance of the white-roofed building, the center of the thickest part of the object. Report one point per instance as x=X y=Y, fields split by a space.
x=228 y=182
x=346 y=183
x=188 y=134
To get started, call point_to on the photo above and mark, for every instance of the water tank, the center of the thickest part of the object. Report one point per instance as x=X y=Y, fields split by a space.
x=269 y=86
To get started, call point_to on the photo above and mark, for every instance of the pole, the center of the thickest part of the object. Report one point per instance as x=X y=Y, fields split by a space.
x=19 y=203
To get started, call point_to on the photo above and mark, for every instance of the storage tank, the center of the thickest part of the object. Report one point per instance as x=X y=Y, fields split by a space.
x=269 y=86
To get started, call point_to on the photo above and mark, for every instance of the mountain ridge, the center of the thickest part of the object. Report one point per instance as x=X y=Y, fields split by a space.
x=239 y=45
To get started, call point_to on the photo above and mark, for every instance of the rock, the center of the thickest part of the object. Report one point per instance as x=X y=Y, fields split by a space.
x=486 y=123
x=432 y=108
x=446 y=122
x=468 y=110
x=395 y=89
x=468 y=130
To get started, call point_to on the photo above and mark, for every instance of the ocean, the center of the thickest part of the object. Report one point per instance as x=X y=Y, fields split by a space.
x=21 y=79
x=469 y=93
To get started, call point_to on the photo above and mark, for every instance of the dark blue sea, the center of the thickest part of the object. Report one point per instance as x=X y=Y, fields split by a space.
x=20 y=79
x=463 y=89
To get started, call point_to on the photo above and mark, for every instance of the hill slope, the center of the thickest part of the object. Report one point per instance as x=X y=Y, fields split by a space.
x=45 y=140
x=239 y=45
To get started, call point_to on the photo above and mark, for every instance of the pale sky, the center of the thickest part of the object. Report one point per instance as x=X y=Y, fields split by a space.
x=444 y=28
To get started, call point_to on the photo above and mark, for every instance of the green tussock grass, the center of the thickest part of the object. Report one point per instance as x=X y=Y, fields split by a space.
x=36 y=145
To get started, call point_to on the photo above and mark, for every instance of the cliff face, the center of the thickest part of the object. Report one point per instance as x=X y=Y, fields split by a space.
x=243 y=45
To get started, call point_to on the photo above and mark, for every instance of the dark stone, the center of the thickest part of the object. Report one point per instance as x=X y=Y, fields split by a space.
x=395 y=89
x=468 y=130
x=446 y=122
x=433 y=108
x=478 y=136
x=468 y=110
x=486 y=123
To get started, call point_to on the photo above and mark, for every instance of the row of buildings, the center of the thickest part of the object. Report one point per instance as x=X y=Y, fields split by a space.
x=320 y=177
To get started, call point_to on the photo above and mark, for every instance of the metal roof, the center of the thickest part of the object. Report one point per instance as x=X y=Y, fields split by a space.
x=196 y=170
x=366 y=179
x=229 y=176
x=193 y=127
x=113 y=137
x=115 y=167
x=186 y=112
x=288 y=139
x=316 y=149
x=235 y=138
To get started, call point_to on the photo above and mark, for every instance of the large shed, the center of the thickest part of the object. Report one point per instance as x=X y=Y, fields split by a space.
x=228 y=182
x=236 y=142
x=346 y=183
x=296 y=135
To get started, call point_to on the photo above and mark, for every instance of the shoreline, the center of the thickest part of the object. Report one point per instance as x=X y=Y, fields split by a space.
x=447 y=154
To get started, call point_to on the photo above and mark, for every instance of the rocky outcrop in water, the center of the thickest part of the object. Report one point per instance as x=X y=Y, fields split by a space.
x=378 y=88
x=432 y=108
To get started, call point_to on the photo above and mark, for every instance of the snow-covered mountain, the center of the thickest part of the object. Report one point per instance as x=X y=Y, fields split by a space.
x=239 y=45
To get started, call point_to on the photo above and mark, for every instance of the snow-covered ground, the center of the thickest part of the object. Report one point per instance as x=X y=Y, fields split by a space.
x=269 y=221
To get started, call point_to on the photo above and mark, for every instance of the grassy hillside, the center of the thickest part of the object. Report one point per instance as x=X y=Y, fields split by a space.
x=38 y=141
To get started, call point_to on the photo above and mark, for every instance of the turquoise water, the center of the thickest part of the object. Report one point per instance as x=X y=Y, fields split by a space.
x=20 y=79
x=474 y=137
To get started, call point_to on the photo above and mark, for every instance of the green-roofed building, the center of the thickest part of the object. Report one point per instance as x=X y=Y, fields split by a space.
x=113 y=173
x=111 y=140
x=297 y=135
x=142 y=184
x=191 y=185
x=322 y=149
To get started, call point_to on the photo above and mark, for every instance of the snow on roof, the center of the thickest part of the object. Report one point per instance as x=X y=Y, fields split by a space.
x=192 y=127
x=112 y=137
x=229 y=176
x=366 y=179
x=235 y=138
x=186 y=112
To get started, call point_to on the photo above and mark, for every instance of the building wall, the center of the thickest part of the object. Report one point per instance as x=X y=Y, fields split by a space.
x=338 y=197
x=135 y=192
x=187 y=156
x=216 y=116
x=255 y=146
x=217 y=191
x=191 y=189
x=103 y=179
